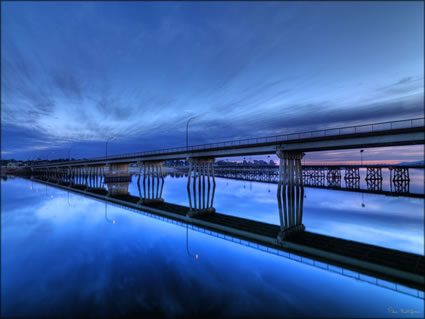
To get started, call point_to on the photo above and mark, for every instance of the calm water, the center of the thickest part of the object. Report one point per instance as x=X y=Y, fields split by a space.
x=67 y=255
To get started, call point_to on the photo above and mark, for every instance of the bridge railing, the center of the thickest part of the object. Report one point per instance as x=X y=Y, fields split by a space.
x=365 y=128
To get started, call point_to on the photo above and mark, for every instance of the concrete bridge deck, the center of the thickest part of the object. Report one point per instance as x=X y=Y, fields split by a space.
x=387 y=264
x=405 y=132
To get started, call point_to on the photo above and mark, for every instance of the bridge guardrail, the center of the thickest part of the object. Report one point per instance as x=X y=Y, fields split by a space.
x=365 y=128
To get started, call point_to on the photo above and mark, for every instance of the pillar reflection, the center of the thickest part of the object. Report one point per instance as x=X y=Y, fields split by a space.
x=201 y=192
x=290 y=193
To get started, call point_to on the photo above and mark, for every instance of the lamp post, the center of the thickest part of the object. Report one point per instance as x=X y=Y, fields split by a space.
x=361 y=157
x=187 y=131
x=106 y=145
x=69 y=154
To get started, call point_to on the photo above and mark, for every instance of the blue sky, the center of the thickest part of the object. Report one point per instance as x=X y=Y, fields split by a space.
x=77 y=73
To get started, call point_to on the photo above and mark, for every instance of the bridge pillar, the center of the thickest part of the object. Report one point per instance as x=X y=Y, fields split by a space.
x=334 y=176
x=117 y=189
x=117 y=173
x=152 y=174
x=199 y=168
x=315 y=176
x=86 y=176
x=351 y=173
x=77 y=175
x=290 y=193
x=352 y=177
x=399 y=179
x=374 y=173
x=69 y=175
x=117 y=178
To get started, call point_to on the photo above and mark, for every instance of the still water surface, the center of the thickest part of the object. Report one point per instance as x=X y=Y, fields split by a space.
x=67 y=255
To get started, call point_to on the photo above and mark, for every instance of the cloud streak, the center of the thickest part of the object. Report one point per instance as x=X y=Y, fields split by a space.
x=138 y=71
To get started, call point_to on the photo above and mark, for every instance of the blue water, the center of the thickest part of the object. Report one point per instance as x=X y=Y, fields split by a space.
x=67 y=255
x=387 y=221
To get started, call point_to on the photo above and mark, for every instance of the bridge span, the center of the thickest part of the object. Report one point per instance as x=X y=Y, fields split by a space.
x=396 y=133
x=290 y=175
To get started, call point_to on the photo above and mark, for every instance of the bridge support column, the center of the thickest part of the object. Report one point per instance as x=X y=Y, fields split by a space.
x=69 y=175
x=199 y=168
x=333 y=177
x=352 y=177
x=290 y=193
x=117 y=173
x=117 y=178
x=399 y=179
x=77 y=175
x=374 y=173
x=351 y=173
x=315 y=176
x=86 y=177
x=152 y=174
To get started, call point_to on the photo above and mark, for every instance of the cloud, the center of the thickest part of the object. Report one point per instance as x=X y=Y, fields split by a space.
x=87 y=72
x=406 y=85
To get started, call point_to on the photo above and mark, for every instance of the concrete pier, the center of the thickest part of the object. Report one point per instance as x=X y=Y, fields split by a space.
x=153 y=181
x=290 y=193
x=201 y=170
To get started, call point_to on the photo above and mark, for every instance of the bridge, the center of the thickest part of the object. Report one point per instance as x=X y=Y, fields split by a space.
x=329 y=176
x=201 y=185
x=395 y=133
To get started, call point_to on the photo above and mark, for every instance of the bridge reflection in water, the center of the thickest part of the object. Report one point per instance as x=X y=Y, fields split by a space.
x=328 y=177
x=267 y=249
x=153 y=174
x=367 y=259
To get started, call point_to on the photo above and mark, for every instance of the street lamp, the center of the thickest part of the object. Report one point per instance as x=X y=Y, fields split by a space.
x=187 y=131
x=106 y=146
x=69 y=154
x=361 y=157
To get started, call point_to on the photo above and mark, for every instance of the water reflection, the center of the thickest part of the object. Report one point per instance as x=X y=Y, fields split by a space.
x=152 y=172
x=393 y=222
x=377 y=220
x=203 y=197
x=117 y=189
x=374 y=185
x=187 y=244
x=75 y=264
x=373 y=179
x=111 y=221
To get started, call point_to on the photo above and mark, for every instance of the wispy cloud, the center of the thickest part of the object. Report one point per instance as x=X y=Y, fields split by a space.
x=88 y=71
